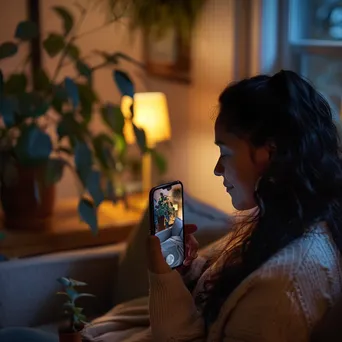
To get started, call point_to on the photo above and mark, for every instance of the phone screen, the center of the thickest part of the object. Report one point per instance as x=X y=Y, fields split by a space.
x=168 y=223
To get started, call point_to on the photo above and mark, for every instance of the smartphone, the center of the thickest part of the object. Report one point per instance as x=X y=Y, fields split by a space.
x=167 y=221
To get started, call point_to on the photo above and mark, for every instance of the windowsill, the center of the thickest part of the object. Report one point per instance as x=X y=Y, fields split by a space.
x=68 y=232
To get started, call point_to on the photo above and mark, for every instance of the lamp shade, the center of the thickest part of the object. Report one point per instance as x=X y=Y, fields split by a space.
x=150 y=114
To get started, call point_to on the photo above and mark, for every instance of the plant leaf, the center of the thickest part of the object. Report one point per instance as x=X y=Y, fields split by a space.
x=120 y=145
x=72 y=91
x=8 y=109
x=54 y=44
x=84 y=70
x=41 y=80
x=74 y=282
x=113 y=117
x=33 y=146
x=87 y=99
x=16 y=84
x=87 y=212
x=103 y=147
x=94 y=187
x=8 y=49
x=73 y=51
x=68 y=20
x=160 y=161
x=32 y=105
x=64 y=281
x=54 y=171
x=69 y=127
x=124 y=83
x=83 y=161
x=140 y=137
x=26 y=30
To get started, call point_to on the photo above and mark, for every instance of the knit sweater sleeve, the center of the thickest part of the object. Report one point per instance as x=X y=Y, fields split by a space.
x=269 y=311
x=173 y=313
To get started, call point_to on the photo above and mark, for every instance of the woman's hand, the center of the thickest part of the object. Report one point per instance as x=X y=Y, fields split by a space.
x=156 y=261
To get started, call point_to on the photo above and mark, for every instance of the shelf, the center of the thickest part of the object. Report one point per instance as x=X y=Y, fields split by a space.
x=67 y=232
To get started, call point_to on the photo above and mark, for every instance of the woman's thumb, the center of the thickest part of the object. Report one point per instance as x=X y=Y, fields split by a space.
x=155 y=258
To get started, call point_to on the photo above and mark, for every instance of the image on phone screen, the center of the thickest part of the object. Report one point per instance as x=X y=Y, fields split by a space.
x=168 y=222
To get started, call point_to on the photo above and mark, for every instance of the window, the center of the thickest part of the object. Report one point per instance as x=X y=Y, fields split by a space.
x=315 y=37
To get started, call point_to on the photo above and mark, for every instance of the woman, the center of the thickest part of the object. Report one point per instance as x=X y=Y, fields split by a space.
x=280 y=267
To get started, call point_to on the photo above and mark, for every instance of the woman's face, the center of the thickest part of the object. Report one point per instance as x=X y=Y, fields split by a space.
x=241 y=165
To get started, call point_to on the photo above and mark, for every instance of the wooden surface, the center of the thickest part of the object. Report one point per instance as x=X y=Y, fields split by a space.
x=67 y=232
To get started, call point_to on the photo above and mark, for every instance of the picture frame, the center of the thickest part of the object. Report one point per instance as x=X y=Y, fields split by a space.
x=168 y=57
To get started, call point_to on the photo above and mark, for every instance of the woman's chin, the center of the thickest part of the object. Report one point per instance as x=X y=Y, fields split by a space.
x=242 y=205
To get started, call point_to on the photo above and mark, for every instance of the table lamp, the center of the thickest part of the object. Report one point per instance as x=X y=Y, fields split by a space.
x=150 y=114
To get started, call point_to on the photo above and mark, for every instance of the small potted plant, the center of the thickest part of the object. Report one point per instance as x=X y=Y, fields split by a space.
x=73 y=318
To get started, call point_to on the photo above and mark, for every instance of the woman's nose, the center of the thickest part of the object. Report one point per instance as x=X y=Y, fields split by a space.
x=218 y=170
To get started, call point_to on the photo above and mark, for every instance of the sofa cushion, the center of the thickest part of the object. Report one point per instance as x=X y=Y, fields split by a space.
x=132 y=281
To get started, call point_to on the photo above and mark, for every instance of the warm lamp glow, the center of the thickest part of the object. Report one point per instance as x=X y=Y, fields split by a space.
x=151 y=114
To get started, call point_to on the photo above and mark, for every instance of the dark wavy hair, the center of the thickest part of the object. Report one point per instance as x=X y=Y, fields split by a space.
x=301 y=186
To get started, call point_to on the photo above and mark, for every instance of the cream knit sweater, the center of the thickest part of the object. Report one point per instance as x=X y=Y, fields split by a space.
x=281 y=301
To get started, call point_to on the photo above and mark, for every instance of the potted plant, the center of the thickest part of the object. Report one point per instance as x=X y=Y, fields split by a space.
x=74 y=319
x=164 y=212
x=46 y=128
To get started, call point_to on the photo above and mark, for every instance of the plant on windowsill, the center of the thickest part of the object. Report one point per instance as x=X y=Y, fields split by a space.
x=74 y=319
x=46 y=128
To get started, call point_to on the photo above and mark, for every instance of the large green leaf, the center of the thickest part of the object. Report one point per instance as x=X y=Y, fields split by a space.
x=33 y=146
x=54 y=44
x=60 y=97
x=8 y=109
x=103 y=148
x=120 y=145
x=68 y=20
x=16 y=84
x=26 y=30
x=113 y=117
x=124 y=83
x=83 y=161
x=54 y=170
x=87 y=98
x=72 y=91
x=8 y=49
x=73 y=51
x=32 y=105
x=88 y=214
x=140 y=137
x=41 y=80
x=69 y=127
x=84 y=69
x=93 y=186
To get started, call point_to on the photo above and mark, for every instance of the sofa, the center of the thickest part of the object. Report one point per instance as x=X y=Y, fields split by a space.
x=114 y=274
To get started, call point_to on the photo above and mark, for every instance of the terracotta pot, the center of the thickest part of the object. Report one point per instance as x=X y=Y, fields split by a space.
x=21 y=208
x=70 y=337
